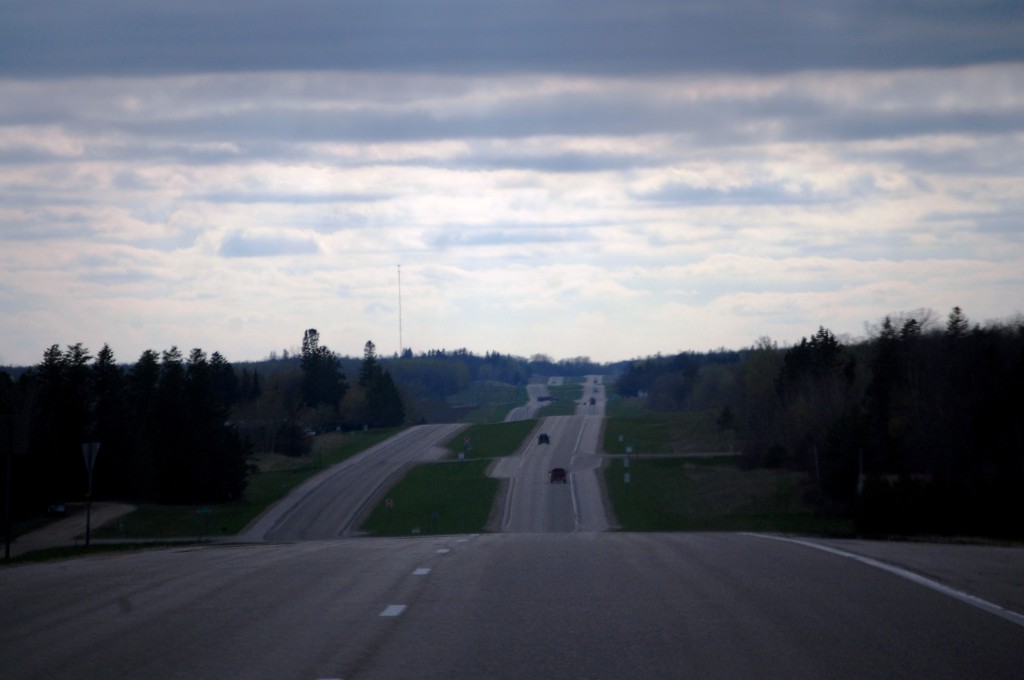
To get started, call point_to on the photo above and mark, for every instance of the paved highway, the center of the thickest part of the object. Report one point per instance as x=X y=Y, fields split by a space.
x=534 y=393
x=332 y=504
x=574 y=605
x=535 y=505
x=551 y=596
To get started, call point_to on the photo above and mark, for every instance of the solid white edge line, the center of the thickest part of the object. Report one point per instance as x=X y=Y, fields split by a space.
x=393 y=610
x=506 y=518
x=577 y=520
x=967 y=598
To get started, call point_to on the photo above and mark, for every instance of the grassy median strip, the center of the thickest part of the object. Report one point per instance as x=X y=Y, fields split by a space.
x=451 y=497
x=565 y=398
x=490 y=441
x=712 y=494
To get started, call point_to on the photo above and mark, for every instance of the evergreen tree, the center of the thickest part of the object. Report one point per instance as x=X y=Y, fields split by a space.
x=60 y=424
x=173 y=425
x=384 y=407
x=144 y=434
x=224 y=381
x=322 y=379
x=957 y=324
x=111 y=475
x=370 y=369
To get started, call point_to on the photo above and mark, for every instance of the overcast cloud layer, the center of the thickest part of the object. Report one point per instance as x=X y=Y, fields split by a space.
x=605 y=179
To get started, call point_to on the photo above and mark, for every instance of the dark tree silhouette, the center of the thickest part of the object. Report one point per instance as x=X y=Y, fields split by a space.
x=384 y=407
x=322 y=379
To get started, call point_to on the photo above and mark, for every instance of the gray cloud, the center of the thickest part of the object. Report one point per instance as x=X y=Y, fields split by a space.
x=135 y=37
x=259 y=245
x=197 y=127
x=674 y=167
x=498 y=235
x=756 y=194
x=263 y=195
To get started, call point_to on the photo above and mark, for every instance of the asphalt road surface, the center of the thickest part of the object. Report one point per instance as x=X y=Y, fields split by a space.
x=575 y=605
x=551 y=596
x=534 y=393
x=332 y=504
x=534 y=504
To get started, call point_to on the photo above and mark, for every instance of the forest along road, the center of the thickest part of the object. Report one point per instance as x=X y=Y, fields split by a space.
x=330 y=504
x=533 y=503
x=578 y=605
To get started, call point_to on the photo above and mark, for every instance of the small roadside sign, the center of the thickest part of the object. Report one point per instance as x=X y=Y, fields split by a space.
x=89 y=451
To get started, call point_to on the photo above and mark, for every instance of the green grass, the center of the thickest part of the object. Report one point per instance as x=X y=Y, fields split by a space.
x=564 y=400
x=664 y=494
x=492 y=440
x=452 y=497
x=626 y=406
x=660 y=433
x=712 y=494
x=276 y=476
x=488 y=414
x=492 y=400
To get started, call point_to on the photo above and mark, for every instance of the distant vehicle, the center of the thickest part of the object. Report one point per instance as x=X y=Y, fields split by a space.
x=57 y=510
x=543 y=438
x=559 y=475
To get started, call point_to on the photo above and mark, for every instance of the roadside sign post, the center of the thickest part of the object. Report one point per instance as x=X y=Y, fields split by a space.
x=89 y=451
x=625 y=467
x=9 y=451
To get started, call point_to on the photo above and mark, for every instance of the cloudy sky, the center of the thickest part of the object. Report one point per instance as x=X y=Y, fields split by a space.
x=586 y=178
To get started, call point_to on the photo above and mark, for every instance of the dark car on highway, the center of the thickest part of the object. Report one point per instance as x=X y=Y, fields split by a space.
x=559 y=475
x=543 y=438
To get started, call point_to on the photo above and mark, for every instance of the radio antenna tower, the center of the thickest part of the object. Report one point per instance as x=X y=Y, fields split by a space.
x=401 y=347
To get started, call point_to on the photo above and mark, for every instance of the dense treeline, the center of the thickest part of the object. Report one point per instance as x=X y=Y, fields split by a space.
x=181 y=429
x=174 y=429
x=920 y=428
x=162 y=425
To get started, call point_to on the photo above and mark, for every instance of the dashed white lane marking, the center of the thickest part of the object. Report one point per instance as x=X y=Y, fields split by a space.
x=967 y=598
x=422 y=571
x=443 y=551
x=393 y=610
